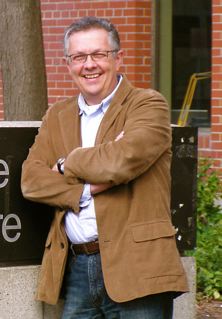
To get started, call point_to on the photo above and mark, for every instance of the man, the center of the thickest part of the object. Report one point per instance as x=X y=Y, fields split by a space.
x=102 y=159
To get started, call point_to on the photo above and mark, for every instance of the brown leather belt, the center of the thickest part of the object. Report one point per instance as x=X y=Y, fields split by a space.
x=86 y=248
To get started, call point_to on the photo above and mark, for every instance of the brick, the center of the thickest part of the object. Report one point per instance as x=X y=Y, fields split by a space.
x=118 y=12
x=217 y=77
x=131 y=28
x=138 y=36
x=217 y=43
x=118 y=4
x=217 y=10
x=48 y=6
x=216 y=127
x=216 y=52
x=216 y=93
x=63 y=85
x=119 y=21
x=216 y=153
x=215 y=119
x=216 y=111
x=64 y=6
x=217 y=2
x=133 y=60
x=139 y=4
x=82 y=4
x=103 y=4
x=135 y=12
x=134 y=76
x=137 y=20
x=138 y=52
x=216 y=68
x=216 y=137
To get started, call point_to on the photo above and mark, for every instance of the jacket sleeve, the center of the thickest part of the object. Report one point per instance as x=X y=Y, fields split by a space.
x=40 y=183
x=147 y=135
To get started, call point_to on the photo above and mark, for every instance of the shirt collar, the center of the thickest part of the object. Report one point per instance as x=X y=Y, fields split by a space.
x=103 y=106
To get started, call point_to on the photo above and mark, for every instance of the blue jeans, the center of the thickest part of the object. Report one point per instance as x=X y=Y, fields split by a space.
x=86 y=297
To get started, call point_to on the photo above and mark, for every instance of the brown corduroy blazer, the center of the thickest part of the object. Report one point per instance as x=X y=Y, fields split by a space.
x=136 y=237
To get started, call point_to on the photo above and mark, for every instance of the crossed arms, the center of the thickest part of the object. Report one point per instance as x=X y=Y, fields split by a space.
x=146 y=136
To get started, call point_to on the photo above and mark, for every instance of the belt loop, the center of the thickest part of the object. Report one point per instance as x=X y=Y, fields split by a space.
x=73 y=251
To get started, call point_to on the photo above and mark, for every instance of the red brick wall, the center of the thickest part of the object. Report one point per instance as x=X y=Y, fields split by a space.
x=210 y=142
x=216 y=127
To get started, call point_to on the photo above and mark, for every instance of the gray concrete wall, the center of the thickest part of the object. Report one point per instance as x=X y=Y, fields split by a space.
x=17 y=295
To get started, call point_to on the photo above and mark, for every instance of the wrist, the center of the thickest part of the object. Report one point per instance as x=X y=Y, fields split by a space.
x=60 y=165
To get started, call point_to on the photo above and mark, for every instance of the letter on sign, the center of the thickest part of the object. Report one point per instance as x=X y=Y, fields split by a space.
x=5 y=172
x=15 y=226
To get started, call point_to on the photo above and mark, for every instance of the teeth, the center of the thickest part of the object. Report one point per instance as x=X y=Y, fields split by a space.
x=91 y=76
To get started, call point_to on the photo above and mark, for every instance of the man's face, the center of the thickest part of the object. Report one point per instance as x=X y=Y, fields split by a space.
x=95 y=79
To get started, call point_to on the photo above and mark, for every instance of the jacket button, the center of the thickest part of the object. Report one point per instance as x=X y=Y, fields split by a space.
x=62 y=245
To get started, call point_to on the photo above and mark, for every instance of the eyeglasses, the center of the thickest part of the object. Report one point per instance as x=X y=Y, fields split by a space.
x=95 y=56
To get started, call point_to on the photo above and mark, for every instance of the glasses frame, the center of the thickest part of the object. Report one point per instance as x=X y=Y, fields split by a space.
x=85 y=55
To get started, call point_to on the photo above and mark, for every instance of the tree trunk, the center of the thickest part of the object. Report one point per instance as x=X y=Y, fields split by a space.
x=22 y=60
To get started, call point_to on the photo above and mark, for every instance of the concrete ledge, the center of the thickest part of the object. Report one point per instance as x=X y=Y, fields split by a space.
x=20 y=123
x=18 y=285
x=17 y=292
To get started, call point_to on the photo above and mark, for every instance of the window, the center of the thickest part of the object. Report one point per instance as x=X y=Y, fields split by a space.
x=191 y=43
x=184 y=48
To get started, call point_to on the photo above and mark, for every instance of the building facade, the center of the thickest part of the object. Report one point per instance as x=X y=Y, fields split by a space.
x=165 y=43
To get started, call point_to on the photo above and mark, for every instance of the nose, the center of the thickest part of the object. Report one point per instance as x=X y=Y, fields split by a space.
x=89 y=61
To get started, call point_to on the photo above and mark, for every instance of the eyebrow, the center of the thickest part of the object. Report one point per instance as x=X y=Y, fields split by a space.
x=95 y=51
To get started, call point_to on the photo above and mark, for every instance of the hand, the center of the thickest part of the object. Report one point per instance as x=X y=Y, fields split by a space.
x=119 y=136
x=98 y=188
x=55 y=168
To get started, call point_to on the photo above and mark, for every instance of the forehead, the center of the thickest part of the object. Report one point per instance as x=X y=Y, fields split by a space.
x=89 y=40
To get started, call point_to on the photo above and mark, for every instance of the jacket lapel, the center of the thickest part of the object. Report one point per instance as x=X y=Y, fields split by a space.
x=69 y=121
x=114 y=109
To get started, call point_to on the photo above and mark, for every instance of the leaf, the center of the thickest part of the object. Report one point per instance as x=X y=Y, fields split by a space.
x=216 y=294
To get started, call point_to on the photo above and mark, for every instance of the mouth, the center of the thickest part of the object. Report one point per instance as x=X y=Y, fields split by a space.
x=91 y=76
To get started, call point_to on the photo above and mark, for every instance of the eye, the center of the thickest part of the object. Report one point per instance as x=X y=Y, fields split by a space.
x=99 y=55
x=78 y=58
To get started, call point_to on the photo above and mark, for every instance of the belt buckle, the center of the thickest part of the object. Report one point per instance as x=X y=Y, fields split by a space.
x=87 y=252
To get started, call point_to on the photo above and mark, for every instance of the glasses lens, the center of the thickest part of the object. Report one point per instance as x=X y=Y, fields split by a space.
x=98 y=56
x=78 y=58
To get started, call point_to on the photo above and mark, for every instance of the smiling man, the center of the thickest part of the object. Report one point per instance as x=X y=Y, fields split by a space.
x=93 y=61
x=102 y=159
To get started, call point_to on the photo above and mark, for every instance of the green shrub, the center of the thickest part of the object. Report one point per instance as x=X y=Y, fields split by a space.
x=208 y=253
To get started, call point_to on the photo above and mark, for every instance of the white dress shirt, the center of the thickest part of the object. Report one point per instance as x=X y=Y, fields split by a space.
x=82 y=227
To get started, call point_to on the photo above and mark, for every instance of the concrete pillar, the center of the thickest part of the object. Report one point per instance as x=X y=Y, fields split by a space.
x=185 y=305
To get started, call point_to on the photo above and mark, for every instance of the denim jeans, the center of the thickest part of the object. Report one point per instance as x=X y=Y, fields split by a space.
x=86 y=297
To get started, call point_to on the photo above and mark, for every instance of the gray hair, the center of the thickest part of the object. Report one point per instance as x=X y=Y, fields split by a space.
x=88 y=23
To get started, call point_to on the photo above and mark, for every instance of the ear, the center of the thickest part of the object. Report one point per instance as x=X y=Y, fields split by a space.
x=66 y=62
x=119 y=59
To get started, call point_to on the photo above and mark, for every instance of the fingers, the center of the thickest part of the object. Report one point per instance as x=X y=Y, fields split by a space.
x=119 y=136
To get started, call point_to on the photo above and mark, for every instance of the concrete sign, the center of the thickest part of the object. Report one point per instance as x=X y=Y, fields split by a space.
x=23 y=225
